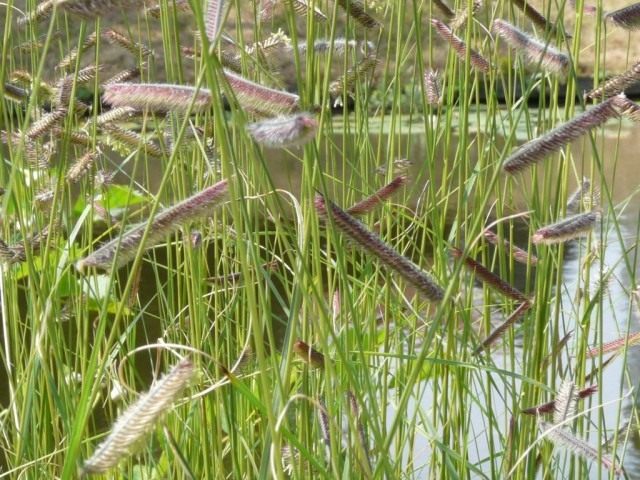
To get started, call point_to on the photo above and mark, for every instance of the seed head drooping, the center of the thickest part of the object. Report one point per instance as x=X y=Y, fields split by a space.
x=460 y=48
x=534 y=51
x=567 y=229
x=627 y=17
x=120 y=251
x=614 y=346
x=552 y=141
x=563 y=437
x=537 y=18
x=370 y=242
x=157 y=97
x=116 y=38
x=285 y=131
x=139 y=419
x=301 y=7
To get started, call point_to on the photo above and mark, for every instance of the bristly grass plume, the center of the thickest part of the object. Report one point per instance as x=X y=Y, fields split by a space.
x=562 y=437
x=552 y=141
x=460 y=48
x=370 y=242
x=259 y=99
x=432 y=88
x=284 y=131
x=616 y=84
x=157 y=97
x=213 y=18
x=550 y=407
x=627 y=17
x=518 y=254
x=139 y=419
x=567 y=229
x=534 y=51
x=121 y=250
x=368 y=204
x=356 y=9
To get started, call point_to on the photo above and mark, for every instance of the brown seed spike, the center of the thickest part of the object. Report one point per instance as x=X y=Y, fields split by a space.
x=157 y=97
x=552 y=141
x=616 y=84
x=567 y=229
x=355 y=8
x=497 y=333
x=519 y=255
x=550 y=406
x=122 y=250
x=535 y=52
x=371 y=243
x=490 y=278
x=536 y=17
x=460 y=48
x=627 y=17
x=369 y=203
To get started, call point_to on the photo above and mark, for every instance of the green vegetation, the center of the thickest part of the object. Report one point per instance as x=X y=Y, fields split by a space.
x=300 y=344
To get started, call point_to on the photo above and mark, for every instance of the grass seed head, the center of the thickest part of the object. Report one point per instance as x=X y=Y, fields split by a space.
x=285 y=131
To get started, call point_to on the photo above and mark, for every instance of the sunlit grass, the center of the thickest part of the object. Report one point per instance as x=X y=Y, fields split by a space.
x=399 y=384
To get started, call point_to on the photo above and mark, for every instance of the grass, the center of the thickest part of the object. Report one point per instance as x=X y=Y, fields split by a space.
x=397 y=386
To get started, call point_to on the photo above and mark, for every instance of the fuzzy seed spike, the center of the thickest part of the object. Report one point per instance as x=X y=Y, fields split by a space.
x=284 y=131
x=537 y=149
x=157 y=97
x=371 y=202
x=460 y=48
x=371 y=243
x=122 y=250
x=490 y=278
x=213 y=19
x=627 y=17
x=518 y=254
x=258 y=98
x=567 y=229
x=356 y=9
x=139 y=419
x=565 y=439
x=535 y=52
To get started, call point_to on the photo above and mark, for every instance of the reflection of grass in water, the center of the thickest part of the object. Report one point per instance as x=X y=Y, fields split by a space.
x=406 y=365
